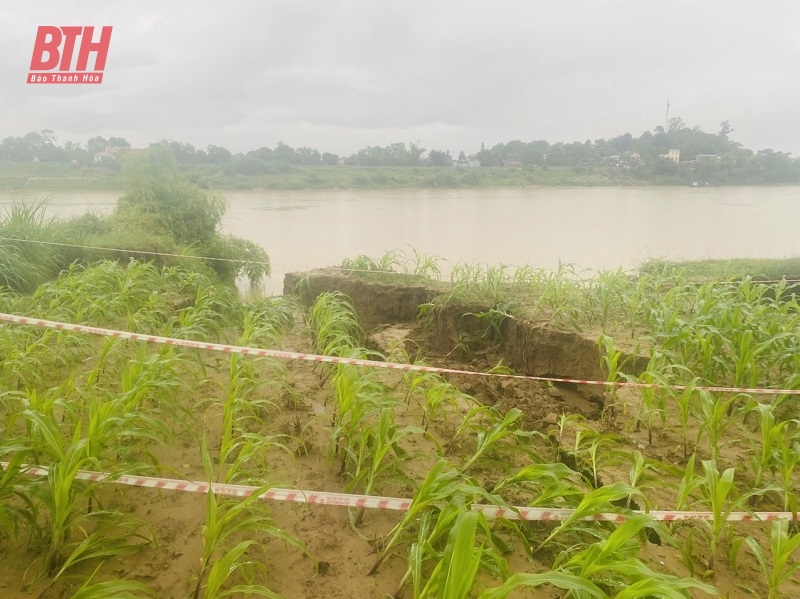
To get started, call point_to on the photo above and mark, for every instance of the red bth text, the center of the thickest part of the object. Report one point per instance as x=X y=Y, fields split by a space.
x=54 y=49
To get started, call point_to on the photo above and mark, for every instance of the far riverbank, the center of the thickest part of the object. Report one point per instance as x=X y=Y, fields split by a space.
x=59 y=177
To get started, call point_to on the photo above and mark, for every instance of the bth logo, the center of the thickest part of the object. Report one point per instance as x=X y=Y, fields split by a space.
x=55 y=47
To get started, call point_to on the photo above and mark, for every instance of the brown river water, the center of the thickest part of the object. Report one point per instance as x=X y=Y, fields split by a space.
x=594 y=228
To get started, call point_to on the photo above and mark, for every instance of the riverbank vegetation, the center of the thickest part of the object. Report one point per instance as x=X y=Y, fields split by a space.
x=161 y=217
x=675 y=155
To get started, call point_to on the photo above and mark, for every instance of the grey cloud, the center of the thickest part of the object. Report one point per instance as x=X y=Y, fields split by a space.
x=342 y=75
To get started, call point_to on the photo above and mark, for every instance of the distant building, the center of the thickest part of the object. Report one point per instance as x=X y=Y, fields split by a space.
x=706 y=157
x=467 y=161
x=673 y=154
x=473 y=161
x=626 y=161
x=112 y=153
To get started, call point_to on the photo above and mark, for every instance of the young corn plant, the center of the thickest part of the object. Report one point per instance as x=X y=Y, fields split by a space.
x=22 y=430
x=416 y=383
x=443 y=399
x=111 y=347
x=779 y=567
x=377 y=452
x=149 y=382
x=504 y=435
x=466 y=274
x=752 y=359
x=544 y=485
x=646 y=474
x=767 y=457
x=226 y=569
x=391 y=261
x=213 y=309
x=16 y=506
x=118 y=589
x=788 y=460
x=601 y=500
x=110 y=534
x=611 y=563
x=491 y=288
x=359 y=397
x=426 y=265
x=596 y=451
x=243 y=410
x=360 y=263
x=686 y=401
x=334 y=324
x=719 y=495
x=437 y=396
x=611 y=363
x=458 y=563
x=117 y=435
x=577 y=586
x=23 y=363
x=660 y=372
x=442 y=486
x=267 y=320
x=637 y=301
x=609 y=292
x=525 y=276
x=713 y=415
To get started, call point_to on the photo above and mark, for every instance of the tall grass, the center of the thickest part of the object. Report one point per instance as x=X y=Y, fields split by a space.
x=27 y=265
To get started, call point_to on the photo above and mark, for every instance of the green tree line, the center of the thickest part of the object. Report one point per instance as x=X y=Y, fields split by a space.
x=712 y=157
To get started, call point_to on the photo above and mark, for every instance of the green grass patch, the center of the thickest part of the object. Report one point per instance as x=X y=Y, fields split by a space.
x=729 y=268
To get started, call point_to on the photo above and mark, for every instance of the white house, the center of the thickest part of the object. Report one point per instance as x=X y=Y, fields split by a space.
x=673 y=154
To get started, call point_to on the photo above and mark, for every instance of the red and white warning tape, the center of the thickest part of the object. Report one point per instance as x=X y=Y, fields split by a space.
x=291 y=495
x=389 y=503
x=550 y=515
x=288 y=355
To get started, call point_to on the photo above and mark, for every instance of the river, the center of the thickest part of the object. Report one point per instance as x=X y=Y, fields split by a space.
x=597 y=227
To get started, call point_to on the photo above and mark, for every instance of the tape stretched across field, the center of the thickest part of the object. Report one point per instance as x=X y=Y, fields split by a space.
x=390 y=503
x=287 y=355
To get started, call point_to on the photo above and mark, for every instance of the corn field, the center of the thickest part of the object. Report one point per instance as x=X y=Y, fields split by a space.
x=70 y=402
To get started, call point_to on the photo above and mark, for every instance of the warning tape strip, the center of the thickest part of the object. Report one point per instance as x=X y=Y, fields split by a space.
x=389 y=503
x=555 y=515
x=288 y=355
x=277 y=494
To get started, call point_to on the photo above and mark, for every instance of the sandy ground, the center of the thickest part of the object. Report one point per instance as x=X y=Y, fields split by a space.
x=340 y=554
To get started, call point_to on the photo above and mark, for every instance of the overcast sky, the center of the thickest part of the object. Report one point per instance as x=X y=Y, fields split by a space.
x=338 y=75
